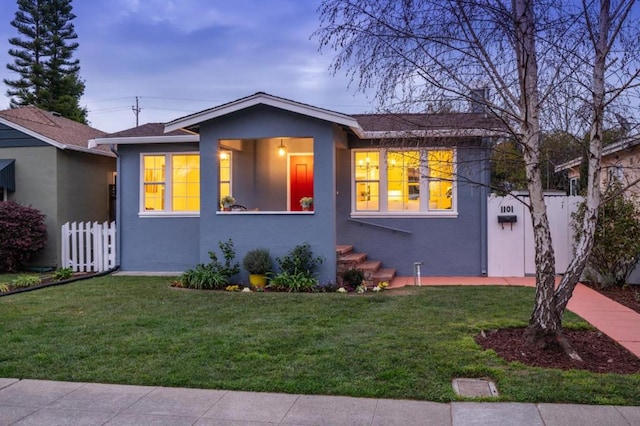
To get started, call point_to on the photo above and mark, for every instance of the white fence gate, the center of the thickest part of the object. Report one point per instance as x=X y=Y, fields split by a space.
x=511 y=248
x=89 y=247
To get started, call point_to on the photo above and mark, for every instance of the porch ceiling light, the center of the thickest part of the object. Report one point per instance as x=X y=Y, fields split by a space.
x=282 y=150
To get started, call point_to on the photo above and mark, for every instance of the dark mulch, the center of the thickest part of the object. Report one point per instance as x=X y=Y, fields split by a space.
x=600 y=354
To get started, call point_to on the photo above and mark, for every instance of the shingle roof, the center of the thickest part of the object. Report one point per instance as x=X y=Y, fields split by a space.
x=411 y=122
x=47 y=126
x=149 y=129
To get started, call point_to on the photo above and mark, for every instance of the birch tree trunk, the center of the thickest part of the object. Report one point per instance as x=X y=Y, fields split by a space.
x=600 y=40
x=544 y=319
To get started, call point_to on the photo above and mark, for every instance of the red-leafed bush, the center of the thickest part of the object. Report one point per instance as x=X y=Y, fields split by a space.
x=22 y=234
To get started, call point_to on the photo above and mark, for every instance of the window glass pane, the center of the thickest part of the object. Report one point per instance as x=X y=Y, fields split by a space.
x=225 y=173
x=403 y=180
x=224 y=190
x=186 y=182
x=440 y=165
x=153 y=181
x=368 y=196
x=367 y=173
x=154 y=168
x=367 y=165
x=154 y=197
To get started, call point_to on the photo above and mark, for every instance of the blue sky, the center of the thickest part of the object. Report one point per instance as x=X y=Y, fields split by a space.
x=183 y=56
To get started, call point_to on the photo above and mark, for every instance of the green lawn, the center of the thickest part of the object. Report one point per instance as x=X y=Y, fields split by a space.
x=138 y=330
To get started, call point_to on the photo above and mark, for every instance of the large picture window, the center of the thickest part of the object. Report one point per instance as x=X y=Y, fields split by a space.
x=171 y=182
x=404 y=182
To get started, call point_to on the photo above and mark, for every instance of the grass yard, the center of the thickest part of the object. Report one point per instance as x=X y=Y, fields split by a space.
x=138 y=330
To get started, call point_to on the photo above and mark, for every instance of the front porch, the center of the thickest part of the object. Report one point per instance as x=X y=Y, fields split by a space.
x=267 y=174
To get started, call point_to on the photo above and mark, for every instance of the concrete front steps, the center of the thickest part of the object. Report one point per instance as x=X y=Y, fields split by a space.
x=372 y=269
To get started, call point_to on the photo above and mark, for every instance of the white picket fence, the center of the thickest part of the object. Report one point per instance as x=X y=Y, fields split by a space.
x=89 y=247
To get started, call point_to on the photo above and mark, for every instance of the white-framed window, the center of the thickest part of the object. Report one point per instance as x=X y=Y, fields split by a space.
x=225 y=173
x=170 y=183
x=616 y=174
x=574 y=186
x=404 y=182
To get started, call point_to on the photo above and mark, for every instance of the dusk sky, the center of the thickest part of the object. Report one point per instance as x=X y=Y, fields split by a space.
x=183 y=56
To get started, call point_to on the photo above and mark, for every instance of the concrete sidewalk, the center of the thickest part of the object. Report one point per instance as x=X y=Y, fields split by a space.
x=45 y=403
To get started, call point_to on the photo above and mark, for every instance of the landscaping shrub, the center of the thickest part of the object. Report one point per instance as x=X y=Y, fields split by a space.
x=299 y=259
x=616 y=247
x=23 y=234
x=214 y=275
x=24 y=281
x=352 y=278
x=294 y=283
x=257 y=261
x=63 y=274
x=297 y=270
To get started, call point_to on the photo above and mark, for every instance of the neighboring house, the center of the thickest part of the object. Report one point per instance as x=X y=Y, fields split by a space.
x=620 y=163
x=401 y=188
x=45 y=163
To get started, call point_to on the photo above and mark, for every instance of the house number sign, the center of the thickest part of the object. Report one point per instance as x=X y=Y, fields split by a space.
x=506 y=209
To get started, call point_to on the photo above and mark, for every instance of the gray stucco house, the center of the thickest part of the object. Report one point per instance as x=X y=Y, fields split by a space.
x=402 y=188
x=45 y=163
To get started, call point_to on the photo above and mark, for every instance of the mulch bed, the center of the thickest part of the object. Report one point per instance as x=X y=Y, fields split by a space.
x=600 y=354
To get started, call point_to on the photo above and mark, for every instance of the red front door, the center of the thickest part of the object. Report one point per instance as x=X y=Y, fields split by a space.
x=300 y=179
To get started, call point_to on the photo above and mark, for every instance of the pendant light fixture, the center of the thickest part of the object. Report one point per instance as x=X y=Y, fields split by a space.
x=282 y=150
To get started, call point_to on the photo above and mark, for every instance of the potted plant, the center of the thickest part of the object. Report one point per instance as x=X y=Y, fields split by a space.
x=227 y=201
x=258 y=263
x=306 y=203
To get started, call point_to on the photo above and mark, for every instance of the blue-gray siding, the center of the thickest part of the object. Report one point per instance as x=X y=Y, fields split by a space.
x=446 y=246
x=151 y=244
x=11 y=138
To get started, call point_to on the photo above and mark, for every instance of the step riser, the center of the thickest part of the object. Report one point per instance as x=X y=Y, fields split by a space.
x=372 y=272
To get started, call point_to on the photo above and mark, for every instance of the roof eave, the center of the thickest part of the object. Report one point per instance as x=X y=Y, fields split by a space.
x=52 y=142
x=265 y=99
x=31 y=133
x=432 y=133
x=142 y=140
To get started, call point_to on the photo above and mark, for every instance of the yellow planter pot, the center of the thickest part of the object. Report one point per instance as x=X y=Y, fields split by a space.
x=258 y=280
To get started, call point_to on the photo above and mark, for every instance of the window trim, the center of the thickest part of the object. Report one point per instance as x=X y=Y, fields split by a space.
x=424 y=186
x=574 y=186
x=220 y=181
x=168 y=184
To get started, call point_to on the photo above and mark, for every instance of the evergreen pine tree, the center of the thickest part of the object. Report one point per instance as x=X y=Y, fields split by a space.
x=48 y=74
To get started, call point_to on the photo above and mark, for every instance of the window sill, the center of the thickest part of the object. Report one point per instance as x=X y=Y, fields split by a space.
x=167 y=214
x=407 y=215
x=259 y=212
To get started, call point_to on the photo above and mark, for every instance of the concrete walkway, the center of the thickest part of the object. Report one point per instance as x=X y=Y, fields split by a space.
x=45 y=403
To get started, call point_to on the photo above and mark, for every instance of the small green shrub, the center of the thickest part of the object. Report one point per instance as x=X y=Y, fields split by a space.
x=299 y=259
x=203 y=277
x=63 y=274
x=293 y=283
x=257 y=261
x=23 y=234
x=353 y=277
x=616 y=246
x=4 y=287
x=214 y=275
x=26 y=281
